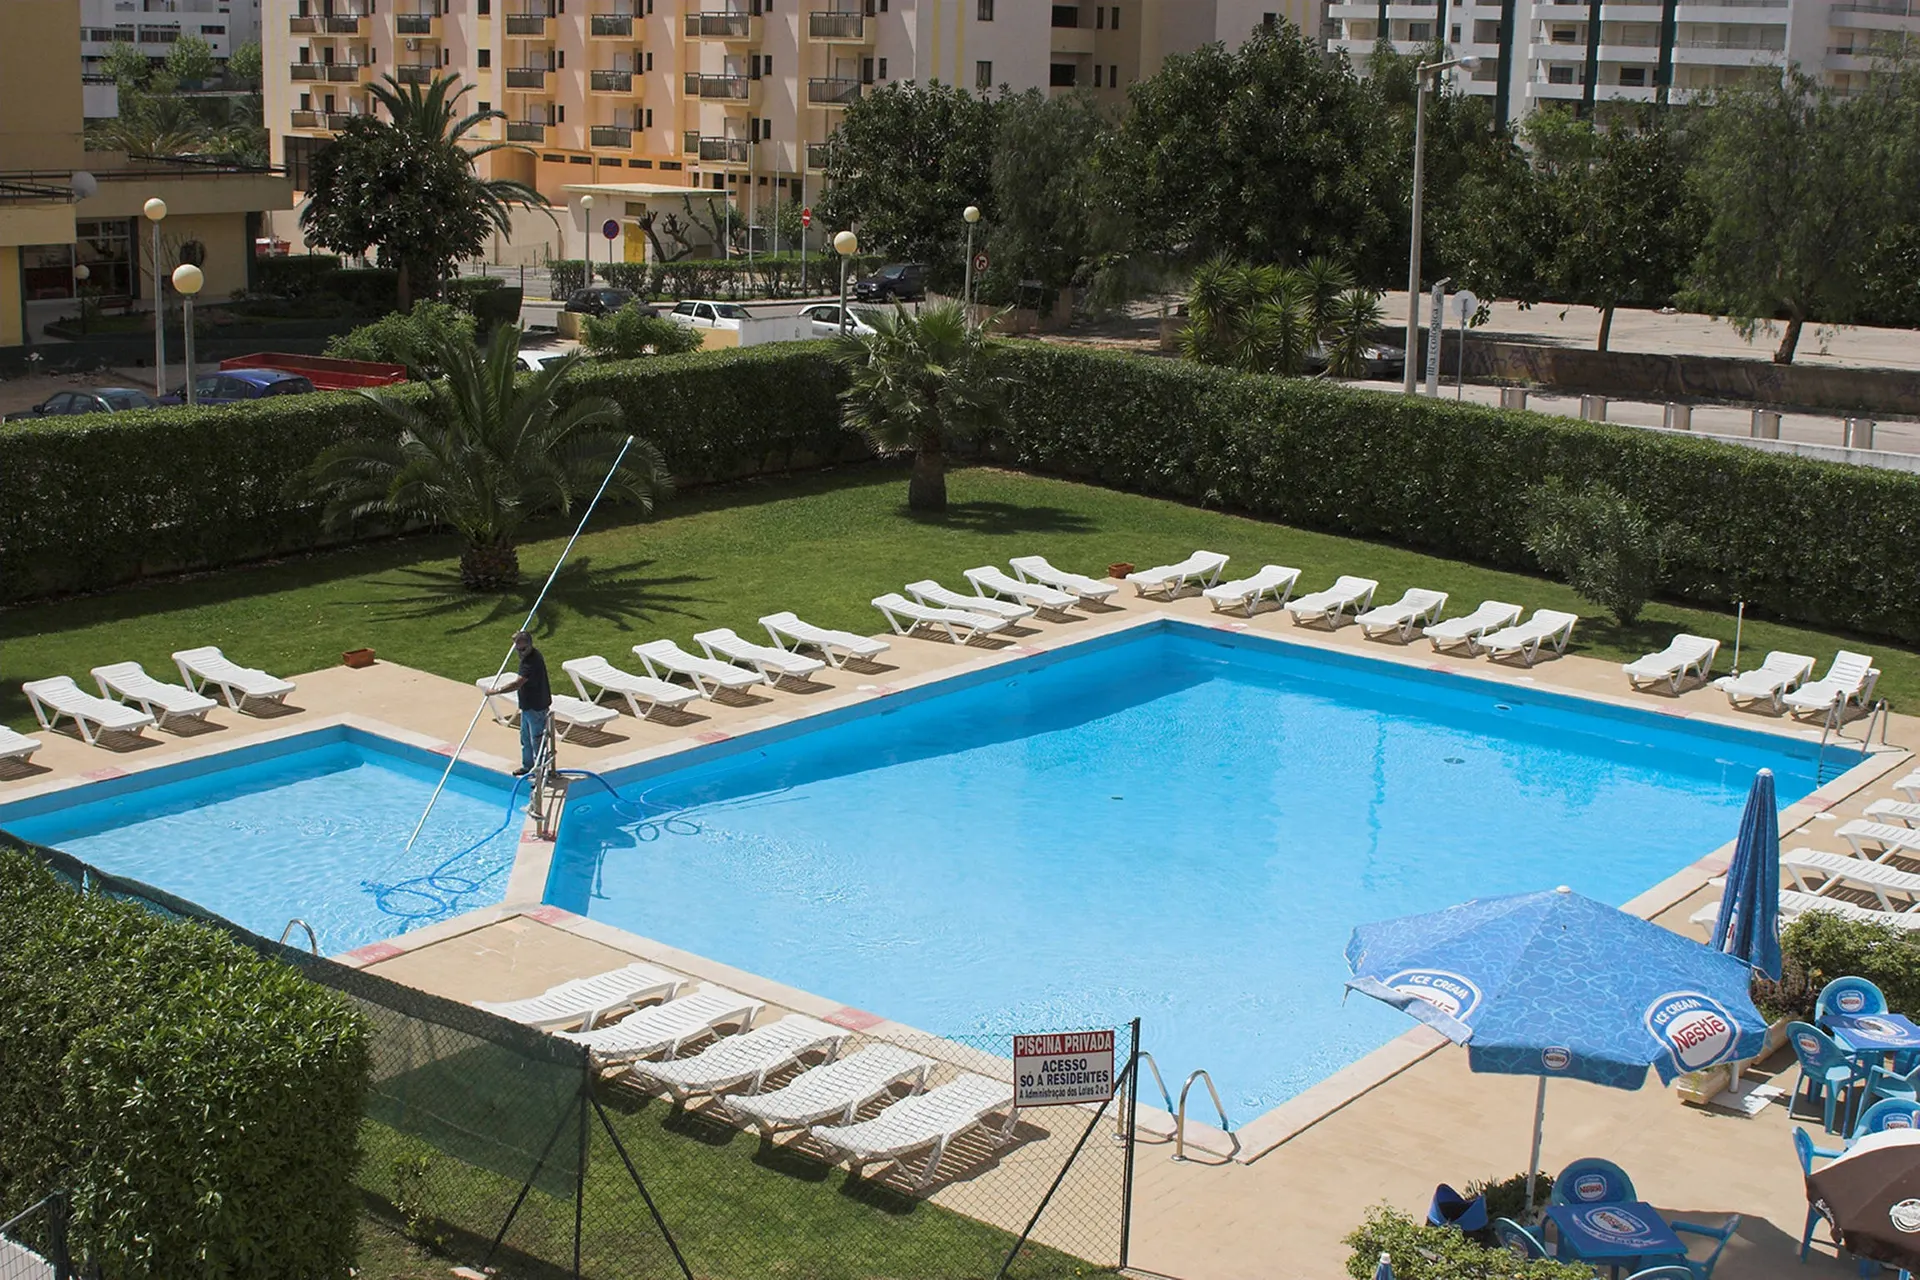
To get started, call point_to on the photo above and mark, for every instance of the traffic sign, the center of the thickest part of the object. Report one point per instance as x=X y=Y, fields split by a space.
x=980 y=261
x=610 y=229
x=806 y=216
x=1069 y=1067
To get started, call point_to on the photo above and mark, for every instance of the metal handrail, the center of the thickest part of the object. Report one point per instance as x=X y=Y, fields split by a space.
x=1120 y=1119
x=1180 y=1121
x=313 y=939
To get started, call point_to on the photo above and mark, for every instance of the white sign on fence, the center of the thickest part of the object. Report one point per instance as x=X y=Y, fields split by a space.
x=1062 y=1067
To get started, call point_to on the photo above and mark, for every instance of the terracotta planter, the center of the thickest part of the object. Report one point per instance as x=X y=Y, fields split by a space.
x=358 y=657
x=1120 y=570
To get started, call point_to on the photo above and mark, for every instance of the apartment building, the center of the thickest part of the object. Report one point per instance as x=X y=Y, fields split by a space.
x=637 y=101
x=1590 y=52
x=153 y=27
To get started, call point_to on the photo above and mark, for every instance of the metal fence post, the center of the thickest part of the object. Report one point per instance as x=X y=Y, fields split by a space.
x=1133 y=1124
x=580 y=1175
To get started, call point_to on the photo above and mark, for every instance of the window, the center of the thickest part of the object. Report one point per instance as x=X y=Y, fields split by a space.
x=766 y=129
x=1113 y=75
x=1269 y=20
x=1565 y=35
x=483 y=7
x=671 y=166
x=866 y=71
x=986 y=11
x=485 y=107
x=883 y=68
x=1100 y=17
x=1633 y=77
x=649 y=117
x=649 y=59
x=213 y=31
x=1115 y=24
x=1096 y=76
x=1559 y=75
x=1419 y=32
x=486 y=57
x=306 y=102
x=639 y=164
x=107 y=249
x=1454 y=33
x=1066 y=15
x=1061 y=75
x=983 y=75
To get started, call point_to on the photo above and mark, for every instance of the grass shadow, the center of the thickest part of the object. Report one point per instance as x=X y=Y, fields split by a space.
x=1001 y=518
x=621 y=594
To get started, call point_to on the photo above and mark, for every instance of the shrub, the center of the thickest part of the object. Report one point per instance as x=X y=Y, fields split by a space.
x=564 y=276
x=1507 y=1197
x=405 y=337
x=630 y=333
x=200 y=1103
x=1820 y=946
x=294 y=277
x=372 y=291
x=488 y=299
x=1600 y=541
x=1421 y=1252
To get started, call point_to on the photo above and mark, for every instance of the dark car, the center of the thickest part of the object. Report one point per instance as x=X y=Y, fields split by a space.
x=901 y=282
x=95 y=400
x=234 y=386
x=604 y=300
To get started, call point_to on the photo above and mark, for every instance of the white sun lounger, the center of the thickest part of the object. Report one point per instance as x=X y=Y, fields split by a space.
x=954 y=622
x=207 y=668
x=1545 y=627
x=929 y=1121
x=1036 y=569
x=1405 y=616
x=58 y=696
x=583 y=1003
x=568 y=712
x=1849 y=681
x=932 y=594
x=1347 y=593
x=1170 y=580
x=742 y=1063
x=17 y=746
x=1904 y=812
x=636 y=690
x=1909 y=786
x=835 y=646
x=1244 y=594
x=664 y=1028
x=707 y=675
x=1876 y=841
x=992 y=580
x=1794 y=902
x=773 y=663
x=838 y=1089
x=1839 y=868
x=1770 y=680
x=1684 y=656
x=1470 y=629
x=129 y=682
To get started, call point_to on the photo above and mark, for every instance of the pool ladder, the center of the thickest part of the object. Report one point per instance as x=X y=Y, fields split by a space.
x=1835 y=730
x=313 y=940
x=1179 y=1111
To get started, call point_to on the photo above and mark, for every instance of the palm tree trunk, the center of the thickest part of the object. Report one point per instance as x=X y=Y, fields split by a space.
x=927 y=490
x=403 y=286
x=1783 y=354
x=493 y=566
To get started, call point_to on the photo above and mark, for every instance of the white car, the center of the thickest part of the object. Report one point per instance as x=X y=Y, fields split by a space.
x=823 y=318
x=535 y=361
x=709 y=315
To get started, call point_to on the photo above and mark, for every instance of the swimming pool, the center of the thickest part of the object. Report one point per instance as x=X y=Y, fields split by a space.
x=1178 y=823
x=295 y=827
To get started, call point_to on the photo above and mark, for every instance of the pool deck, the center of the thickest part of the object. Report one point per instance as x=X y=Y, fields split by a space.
x=1386 y=1129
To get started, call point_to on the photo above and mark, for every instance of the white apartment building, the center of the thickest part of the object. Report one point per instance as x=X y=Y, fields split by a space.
x=1590 y=52
x=152 y=26
x=635 y=101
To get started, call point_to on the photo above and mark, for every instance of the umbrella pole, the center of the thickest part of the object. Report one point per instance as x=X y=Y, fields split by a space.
x=1533 y=1161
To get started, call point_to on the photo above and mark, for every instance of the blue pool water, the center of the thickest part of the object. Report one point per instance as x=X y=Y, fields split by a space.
x=1181 y=825
x=293 y=828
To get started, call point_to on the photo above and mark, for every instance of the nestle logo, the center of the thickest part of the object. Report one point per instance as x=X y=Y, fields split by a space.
x=1451 y=993
x=1556 y=1058
x=1696 y=1029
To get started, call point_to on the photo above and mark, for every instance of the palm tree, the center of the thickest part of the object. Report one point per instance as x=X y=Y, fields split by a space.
x=489 y=453
x=916 y=382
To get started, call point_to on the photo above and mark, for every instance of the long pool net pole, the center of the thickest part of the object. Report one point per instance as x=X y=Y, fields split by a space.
x=480 y=710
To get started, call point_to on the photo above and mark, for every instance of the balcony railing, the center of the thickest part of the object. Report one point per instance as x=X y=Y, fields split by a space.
x=414 y=72
x=730 y=150
x=306 y=71
x=306 y=119
x=341 y=24
x=526 y=77
x=345 y=72
x=618 y=26
x=833 y=92
x=719 y=26
x=610 y=135
x=1898 y=8
x=735 y=87
x=835 y=26
x=414 y=24
x=526 y=24
x=818 y=153
x=302 y=25
x=1708 y=42
x=339 y=119
x=610 y=81
x=526 y=131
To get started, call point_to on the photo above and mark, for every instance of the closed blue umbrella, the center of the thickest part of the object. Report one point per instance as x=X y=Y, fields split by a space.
x=1383 y=1269
x=1748 y=927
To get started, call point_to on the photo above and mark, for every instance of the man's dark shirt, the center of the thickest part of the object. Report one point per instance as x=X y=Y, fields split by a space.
x=535 y=693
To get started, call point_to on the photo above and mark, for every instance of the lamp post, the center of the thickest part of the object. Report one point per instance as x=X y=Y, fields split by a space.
x=1423 y=75
x=187 y=279
x=586 y=244
x=156 y=209
x=80 y=274
x=972 y=215
x=846 y=244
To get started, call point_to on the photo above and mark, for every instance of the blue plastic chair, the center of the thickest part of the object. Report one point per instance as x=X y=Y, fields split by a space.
x=1451 y=1209
x=1804 y=1148
x=1702 y=1268
x=1888 y=1113
x=1591 y=1180
x=1885 y=1082
x=1827 y=1073
x=1849 y=996
x=1517 y=1240
x=1667 y=1271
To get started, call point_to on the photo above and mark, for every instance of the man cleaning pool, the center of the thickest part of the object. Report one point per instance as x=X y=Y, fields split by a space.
x=536 y=699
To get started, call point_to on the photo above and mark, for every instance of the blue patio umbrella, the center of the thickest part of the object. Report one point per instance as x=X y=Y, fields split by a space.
x=1556 y=984
x=1383 y=1269
x=1748 y=926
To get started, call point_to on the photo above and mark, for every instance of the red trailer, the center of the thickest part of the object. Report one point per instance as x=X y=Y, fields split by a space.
x=325 y=373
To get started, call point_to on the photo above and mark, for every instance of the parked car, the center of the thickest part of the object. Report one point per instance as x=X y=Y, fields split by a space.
x=235 y=386
x=602 y=299
x=93 y=400
x=901 y=282
x=1383 y=360
x=709 y=315
x=823 y=318
x=535 y=360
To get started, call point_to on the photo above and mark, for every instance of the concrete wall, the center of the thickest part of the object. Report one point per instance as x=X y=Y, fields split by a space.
x=12 y=318
x=42 y=116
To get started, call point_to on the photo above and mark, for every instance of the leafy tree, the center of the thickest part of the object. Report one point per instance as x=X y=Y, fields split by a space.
x=407 y=337
x=916 y=382
x=629 y=333
x=905 y=162
x=1267 y=319
x=1348 y=332
x=243 y=64
x=1601 y=542
x=1043 y=193
x=127 y=67
x=190 y=63
x=406 y=187
x=491 y=452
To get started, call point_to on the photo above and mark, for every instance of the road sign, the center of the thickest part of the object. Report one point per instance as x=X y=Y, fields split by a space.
x=1062 y=1068
x=806 y=216
x=980 y=261
x=610 y=229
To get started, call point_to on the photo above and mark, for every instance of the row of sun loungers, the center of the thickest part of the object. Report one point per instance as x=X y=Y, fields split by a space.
x=130 y=699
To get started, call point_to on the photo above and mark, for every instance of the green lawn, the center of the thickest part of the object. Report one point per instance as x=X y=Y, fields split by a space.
x=821 y=544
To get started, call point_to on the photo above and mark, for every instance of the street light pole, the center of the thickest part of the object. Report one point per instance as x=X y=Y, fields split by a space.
x=1424 y=73
x=156 y=209
x=846 y=244
x=188 y=280
x=972 y=215
x=586 y=217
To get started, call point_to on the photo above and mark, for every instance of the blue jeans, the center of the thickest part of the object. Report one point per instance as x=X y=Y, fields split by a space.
x=533 y=728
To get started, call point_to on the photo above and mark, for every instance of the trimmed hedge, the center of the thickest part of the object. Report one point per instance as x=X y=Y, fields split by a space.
x=106 y=498
x=1827 y=545
x=1421 y=1252
x=200 y=1103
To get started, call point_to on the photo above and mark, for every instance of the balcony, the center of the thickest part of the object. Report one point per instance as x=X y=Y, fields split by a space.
x=527 y=24
x=337 y=120
x=306 y=71
x=722 y=25
x=723 y=150
x=610 y=81
x=415 y=72
x=348 y=72
x=847 y=28
x=833 y=93
x=611 y=135
x=818 y=153
x=342 y=24
x=417 y=24
x=302 y=25
x=725 y=88
x=526 y=77
x=306 y=120
x=611 y=26
x=526 y=131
